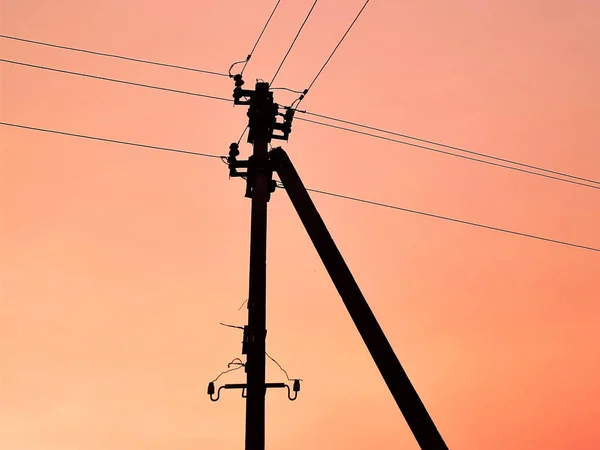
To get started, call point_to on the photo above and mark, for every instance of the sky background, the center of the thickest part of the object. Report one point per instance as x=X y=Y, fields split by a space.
x=118 y=263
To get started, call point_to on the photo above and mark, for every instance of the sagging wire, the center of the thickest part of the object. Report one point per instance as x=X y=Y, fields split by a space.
x=296 y=102
x=235 y=362
x=239 y=365
x=288 y=89
x=236 y=63
x=282 y=369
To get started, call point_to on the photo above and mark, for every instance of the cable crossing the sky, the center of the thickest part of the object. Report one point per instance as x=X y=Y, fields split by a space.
x=111 y=55
x=581 y=180
x=460 y=149
x=293 y=42
x=330 y=56
x=423 y=147
x=112 y=141
x=317 y=191
x=247 y=60
x=115 y=80
x=444 y=152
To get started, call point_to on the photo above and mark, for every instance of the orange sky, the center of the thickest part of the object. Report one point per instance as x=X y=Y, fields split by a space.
x=118 y=263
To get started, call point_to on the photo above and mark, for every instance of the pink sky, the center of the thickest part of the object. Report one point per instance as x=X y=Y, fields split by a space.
x=118 y=263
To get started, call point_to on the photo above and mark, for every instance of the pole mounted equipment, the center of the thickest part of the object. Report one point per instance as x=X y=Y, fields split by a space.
x=263 y=126
x=263 y=113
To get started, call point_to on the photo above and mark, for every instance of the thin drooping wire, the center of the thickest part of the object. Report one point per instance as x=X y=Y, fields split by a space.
x=280 y=185
x=231 y=326
x=279 y=365
x=112 y=141
x=437 y=216
x=235 y=362
x=286 y=89
x=294 y=41
x=114 y=80
x=305 y=112
x=451 y=219
x=332 y=53
x=412 y=144
x=259 y=38
x=242 y=135
x=238 y=367
x=299 y=92
x=110 y=55
x=393 y=133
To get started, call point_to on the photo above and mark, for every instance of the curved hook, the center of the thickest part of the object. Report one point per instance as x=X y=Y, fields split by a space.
x=236 y=63
x=296 y=389
x=211 y=391
x=290 y=393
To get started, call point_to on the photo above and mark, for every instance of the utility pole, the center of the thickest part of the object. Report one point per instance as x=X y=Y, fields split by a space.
x=262 y=114
x=259 y=188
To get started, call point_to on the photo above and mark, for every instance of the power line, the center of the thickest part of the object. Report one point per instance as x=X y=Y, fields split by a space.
x=451 y=219
x=447 y=153
x=113 y=141
x=381 y=130
x=294 y=41
x=259 y=37
x=114 y=80
x=305 y=112
x=110 y=55
x=317 y=191
x=333 y=52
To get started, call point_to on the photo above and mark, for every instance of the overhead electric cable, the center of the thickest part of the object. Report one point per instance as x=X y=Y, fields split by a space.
x=294 y=41
x=451 y=219
x=318 y=191
x=114 y=80
x=110 y=55
x=436 y=150
x=460 y=149
x=332 y=53
x=259 y=38
x=112 y=141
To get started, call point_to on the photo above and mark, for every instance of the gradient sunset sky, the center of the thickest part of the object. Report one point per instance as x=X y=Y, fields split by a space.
x=118 y=263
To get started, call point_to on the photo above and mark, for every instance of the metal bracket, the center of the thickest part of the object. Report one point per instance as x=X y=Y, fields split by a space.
x=253 y=166
x=295 y=389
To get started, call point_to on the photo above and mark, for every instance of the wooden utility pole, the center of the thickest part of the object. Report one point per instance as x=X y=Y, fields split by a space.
x=259 y=185
x=262 y=114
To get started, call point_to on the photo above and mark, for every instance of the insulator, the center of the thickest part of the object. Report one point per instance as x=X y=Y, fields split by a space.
x=296 y=387
x=211 y=388
x=237 y=93
x=234 y=150
x=289 y=115
x=238 y=80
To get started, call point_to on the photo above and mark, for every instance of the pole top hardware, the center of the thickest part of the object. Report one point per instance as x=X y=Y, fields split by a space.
x=261 y=99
